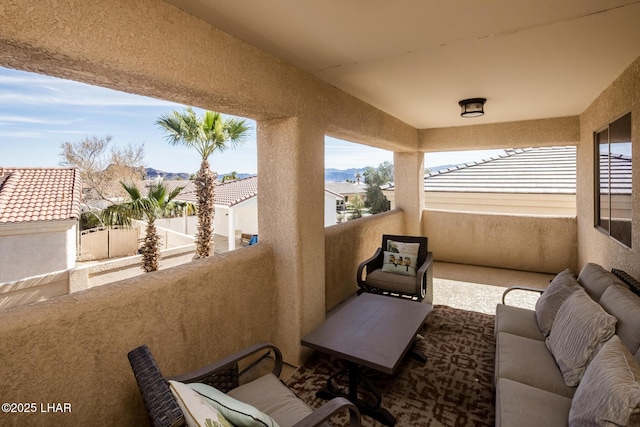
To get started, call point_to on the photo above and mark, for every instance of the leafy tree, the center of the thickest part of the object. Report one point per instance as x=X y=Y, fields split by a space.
x=375 y=178
x=207 y=134
x=356 y=206
x=102 y=168
x=232 y=176
x=159 y=203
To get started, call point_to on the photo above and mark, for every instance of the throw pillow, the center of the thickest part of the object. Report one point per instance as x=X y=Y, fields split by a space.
x=563 y=285
x=399 y=263
x=609 y=393
x=621 y=302
x=595 y=280
x=238 y=413
x=580 y=328
x=197 y=413
x=403 y=247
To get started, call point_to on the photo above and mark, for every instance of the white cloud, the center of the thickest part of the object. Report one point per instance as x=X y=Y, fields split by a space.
x=34 y=120
x=22 y=134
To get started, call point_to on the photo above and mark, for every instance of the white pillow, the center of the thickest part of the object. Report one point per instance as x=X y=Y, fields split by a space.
x=410 y=249
x=197 y=412
x=399 y=263
x=238 y=413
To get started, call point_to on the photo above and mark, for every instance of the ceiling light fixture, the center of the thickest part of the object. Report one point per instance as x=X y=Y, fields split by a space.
x=473 y=107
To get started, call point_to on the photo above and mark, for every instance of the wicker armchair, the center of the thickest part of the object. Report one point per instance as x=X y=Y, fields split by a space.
x=371 y=278
x=163 y=410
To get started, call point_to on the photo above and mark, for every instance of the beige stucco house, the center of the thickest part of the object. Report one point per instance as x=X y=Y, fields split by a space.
x=552 y=76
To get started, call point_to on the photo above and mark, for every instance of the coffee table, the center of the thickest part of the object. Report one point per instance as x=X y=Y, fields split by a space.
x=374 y=331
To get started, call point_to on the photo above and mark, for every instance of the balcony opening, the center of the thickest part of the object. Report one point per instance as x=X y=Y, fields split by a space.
x=356 y=177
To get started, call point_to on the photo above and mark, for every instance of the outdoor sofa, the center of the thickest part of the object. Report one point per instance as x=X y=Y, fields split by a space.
x=574 y=359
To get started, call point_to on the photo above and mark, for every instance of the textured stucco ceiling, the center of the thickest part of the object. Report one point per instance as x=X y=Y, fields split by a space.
x=415 y=59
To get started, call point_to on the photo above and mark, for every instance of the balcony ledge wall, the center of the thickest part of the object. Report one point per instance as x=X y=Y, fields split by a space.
x=74 y=348
x=350 y=243
x=543 y=244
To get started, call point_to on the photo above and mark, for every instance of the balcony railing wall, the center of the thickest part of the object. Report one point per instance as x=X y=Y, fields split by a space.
x=73 y=349
x=348 y=244
x=543 y=244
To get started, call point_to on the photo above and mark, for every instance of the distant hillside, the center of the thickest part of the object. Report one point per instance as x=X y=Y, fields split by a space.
x=154 y=173
x=337 y=175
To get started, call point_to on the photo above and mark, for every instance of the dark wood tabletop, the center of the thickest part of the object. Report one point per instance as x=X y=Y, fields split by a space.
x=375 y=331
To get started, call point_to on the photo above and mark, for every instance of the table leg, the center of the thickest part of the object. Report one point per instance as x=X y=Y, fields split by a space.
x=375 y=411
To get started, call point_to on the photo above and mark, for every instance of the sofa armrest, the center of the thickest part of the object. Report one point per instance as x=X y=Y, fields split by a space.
x=326 y=411
x=374 y=262
x=520 y=288
x=229 y=362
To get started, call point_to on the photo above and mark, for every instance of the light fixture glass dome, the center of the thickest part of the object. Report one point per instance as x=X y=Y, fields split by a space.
x=473 y=107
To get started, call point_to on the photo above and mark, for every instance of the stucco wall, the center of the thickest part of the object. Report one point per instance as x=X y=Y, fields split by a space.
x=348 y=244
x=74 y=348
x=622 y=96
x=531 y=243
x=30 y=249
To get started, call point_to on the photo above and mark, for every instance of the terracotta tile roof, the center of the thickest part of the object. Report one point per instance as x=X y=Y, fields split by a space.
x=39 y=194
x=529 y=170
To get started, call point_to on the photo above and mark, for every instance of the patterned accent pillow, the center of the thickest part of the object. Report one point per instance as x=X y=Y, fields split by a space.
x=609 y=393
x=238 y=413
x=197 y=413
x=563 y=285
x=403 y=247
x=399 y=263
x=580 y=328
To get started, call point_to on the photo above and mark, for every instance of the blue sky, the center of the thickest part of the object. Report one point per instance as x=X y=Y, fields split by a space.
x=38 y=113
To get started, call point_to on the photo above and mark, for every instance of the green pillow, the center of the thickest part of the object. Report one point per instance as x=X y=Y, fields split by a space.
x=236 y=412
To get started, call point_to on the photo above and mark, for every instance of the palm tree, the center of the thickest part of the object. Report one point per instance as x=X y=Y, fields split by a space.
x=206 y=134
x=159 y=203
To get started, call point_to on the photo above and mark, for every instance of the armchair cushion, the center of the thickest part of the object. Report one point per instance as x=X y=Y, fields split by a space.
x=619 y=301
x=403 y=247
x=399 y=263
x=240 y=414
x=271 y=396
x=391 y=282
x=196 y=411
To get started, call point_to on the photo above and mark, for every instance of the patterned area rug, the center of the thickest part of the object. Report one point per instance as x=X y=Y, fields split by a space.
x=454 y=387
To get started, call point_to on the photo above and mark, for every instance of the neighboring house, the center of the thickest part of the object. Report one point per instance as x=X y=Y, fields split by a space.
x=236 y=207
x=348 y=191
x=522 y=181
x=39 y=211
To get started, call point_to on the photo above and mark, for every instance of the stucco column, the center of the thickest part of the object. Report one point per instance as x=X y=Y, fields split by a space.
x=409 y=189
x=291 y=219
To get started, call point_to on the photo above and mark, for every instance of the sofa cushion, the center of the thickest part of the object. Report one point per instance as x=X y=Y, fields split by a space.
x=520 y=405
x=563 y=285
x=619 y=301
x=580 y=328
x=529 y=362
x=239 y=412
x=517 y=321
x=609 y=393
x=596 y=280
x=392 y=282
x=197 y=412
x=272 y=397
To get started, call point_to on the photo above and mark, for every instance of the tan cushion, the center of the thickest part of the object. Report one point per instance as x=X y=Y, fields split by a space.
x=520 y=405
x=517 y=321
x=609 y=393
x=391 y=281
x=579 y=330
x=563 y=285
x=529 y=362
x=596 y=280
x=271 y=396
x=622 y=303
